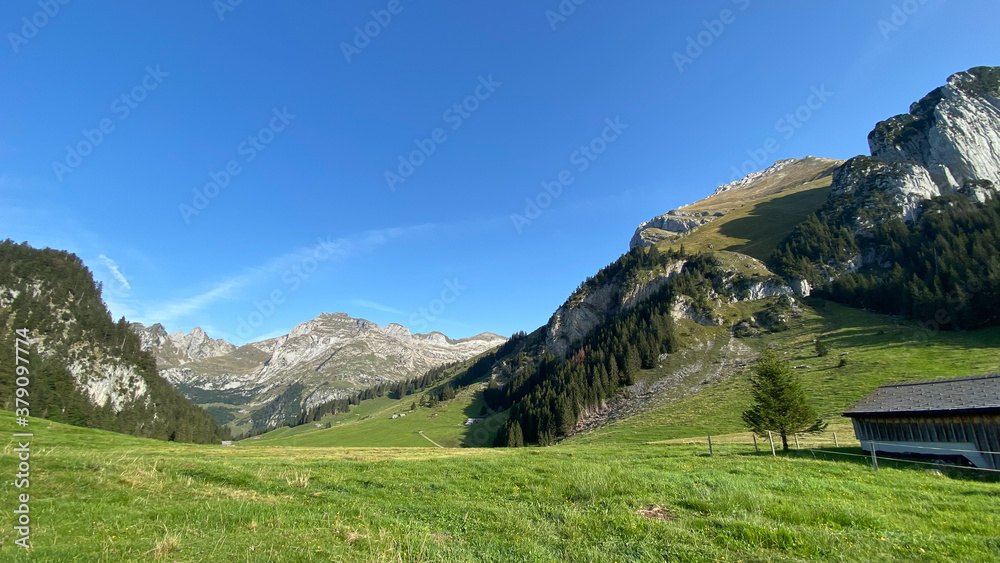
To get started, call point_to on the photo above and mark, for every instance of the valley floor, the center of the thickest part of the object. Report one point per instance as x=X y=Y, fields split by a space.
x=97 y=496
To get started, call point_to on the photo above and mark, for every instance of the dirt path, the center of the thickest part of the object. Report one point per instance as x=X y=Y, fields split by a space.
x=421 y=432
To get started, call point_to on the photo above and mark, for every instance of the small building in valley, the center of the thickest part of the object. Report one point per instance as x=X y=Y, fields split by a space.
x=947 y=418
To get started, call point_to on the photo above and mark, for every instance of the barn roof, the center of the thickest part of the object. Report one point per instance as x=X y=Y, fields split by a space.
x=957 y=395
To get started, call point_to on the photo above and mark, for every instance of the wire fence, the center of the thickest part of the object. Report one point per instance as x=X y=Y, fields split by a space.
x=844 y=442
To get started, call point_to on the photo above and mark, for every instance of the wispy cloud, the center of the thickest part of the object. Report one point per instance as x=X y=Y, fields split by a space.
x=376 y=306
x=112 y=266
x=323 y=248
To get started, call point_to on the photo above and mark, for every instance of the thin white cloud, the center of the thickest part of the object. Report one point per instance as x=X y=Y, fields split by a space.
x=322 y=249
x=376 y=306
x=115 y=271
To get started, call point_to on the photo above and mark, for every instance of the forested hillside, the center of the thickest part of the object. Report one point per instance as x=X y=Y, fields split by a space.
x=85 y=369
x=944 y=268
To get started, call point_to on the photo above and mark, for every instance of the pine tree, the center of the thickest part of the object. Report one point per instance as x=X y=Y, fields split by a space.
x=780 y=404
x=515 y=437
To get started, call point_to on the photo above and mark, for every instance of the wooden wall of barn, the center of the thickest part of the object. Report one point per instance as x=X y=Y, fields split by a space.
x=982 y=430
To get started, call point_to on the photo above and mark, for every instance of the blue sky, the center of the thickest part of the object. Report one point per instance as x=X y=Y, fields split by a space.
x=116 y=112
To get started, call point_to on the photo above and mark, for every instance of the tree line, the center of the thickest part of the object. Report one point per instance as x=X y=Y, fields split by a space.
x=944 y=267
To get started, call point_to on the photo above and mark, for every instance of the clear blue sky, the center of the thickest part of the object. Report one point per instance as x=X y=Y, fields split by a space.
x=197 y=86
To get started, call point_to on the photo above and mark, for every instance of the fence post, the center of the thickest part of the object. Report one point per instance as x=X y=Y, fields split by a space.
x=796 y=440
x=771 y=439
x=871 y=444
x=755 y=448
x=710 y=452
x=835 y=442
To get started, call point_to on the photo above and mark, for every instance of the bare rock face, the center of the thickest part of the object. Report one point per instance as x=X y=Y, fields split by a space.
x=584 y=311
x=877 y=189
x=953 y=132
x=682 y=308
x=646 y=234
x=948 y=144
x=750 y=179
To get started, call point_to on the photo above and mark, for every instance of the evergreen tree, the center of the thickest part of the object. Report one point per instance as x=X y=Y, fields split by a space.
x=780 y=404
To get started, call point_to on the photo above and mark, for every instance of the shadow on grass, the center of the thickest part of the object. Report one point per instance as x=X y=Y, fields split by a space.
x=770 y=221
x=923 y=464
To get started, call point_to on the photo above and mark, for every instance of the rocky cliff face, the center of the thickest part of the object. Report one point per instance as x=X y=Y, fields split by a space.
x=587 y=309
x=949 y=143
x=103 y=378
x=329 y=357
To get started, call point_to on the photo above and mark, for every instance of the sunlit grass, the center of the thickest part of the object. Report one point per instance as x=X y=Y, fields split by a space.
x=98 y=496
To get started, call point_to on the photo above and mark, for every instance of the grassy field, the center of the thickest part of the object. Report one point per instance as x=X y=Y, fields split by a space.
x=102 y=497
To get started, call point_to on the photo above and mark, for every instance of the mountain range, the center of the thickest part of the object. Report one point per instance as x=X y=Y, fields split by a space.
x=265 y=384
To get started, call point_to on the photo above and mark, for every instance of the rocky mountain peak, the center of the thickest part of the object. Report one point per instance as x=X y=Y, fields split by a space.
x=179 y=348
x=749 y=180
x=949 y=143
x=325 y=358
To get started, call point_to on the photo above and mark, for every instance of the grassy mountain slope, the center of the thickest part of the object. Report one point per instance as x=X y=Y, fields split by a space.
x=756 y=228
x=106 y=497
x=878 y=350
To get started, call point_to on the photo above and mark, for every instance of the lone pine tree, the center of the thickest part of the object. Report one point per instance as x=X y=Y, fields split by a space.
x=779 y=403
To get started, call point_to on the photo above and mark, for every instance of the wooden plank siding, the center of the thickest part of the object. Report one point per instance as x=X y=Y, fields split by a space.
x=982 y=430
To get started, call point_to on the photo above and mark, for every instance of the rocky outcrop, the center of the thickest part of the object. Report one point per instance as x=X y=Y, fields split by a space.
x=682 y=308
x=584 y=311
x=948 y=144
x=953 y=132
x=750 y=179
x=646 y=234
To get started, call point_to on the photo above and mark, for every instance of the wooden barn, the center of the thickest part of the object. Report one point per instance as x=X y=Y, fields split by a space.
x=957 y=417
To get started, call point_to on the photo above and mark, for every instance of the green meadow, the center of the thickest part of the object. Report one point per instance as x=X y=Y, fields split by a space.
x=98 y=496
